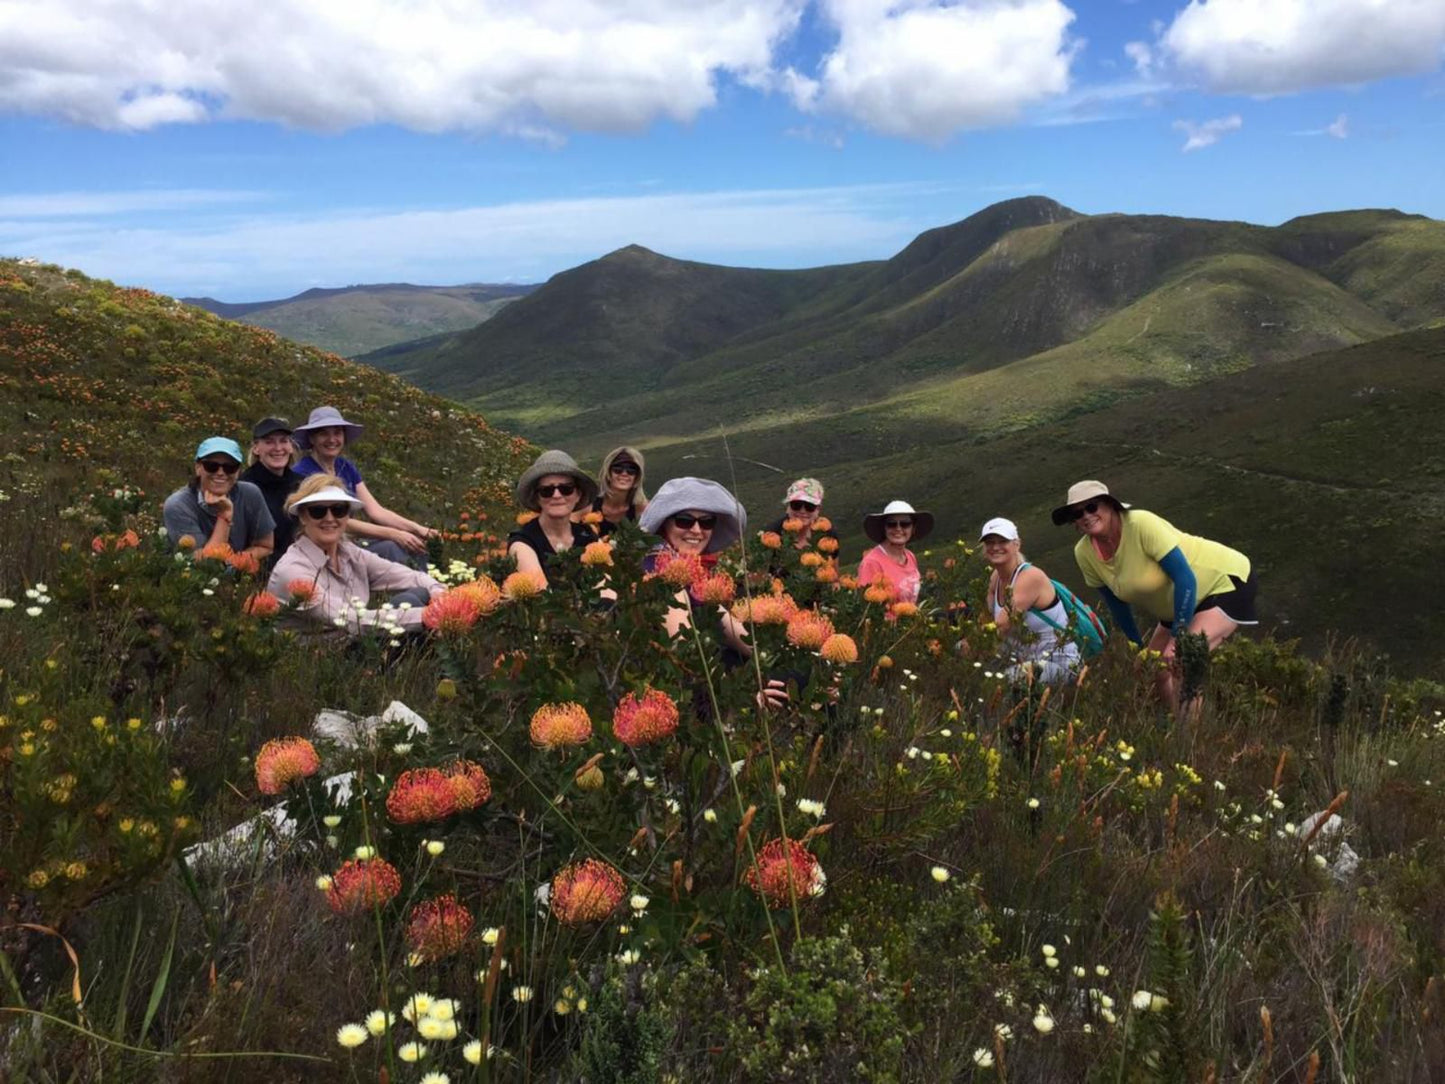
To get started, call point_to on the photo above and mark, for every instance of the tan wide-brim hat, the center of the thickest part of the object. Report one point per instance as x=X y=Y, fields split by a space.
x=873 y=522
x=1080 y=492
x=554 y=462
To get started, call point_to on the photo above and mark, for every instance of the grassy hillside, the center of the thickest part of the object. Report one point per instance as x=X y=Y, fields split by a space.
x=102 y=386
x=357 y=319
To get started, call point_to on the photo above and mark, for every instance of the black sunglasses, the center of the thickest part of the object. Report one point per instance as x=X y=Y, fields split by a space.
x=802 y=506
x=891 y=524
x=683 y=520
x=210 y=466
x=1078 y=511
x=318 y=511
x=626 y=468
x=564 y=488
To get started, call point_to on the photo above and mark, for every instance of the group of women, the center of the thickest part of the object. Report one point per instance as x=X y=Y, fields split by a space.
x=297 y=508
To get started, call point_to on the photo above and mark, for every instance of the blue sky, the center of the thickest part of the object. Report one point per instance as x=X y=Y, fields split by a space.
x=252 y=153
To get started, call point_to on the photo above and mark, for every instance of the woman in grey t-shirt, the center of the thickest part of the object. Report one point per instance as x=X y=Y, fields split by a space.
x=216 y=508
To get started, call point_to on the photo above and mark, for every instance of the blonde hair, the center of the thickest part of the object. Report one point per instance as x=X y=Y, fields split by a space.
x=312 y=483
x=637 y=497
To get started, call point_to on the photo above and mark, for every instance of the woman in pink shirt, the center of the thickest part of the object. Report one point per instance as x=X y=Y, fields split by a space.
x=891 y=561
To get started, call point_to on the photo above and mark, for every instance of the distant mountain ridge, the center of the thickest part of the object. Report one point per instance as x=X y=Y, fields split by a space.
x=355 y=319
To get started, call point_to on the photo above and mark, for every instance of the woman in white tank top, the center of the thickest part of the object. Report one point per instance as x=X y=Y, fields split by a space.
x=1026 y=608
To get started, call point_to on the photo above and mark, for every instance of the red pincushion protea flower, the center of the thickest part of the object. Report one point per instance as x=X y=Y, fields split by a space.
x=262 y=604
x=775 y=867
x=640 y=722
x=587 y=891
x=363 y=883
x=520 y=585
x=438 y=928
x=809 y=629
x=469 y=785
x=717 y=588
x=766 y=609
x=451 y=613
x=679 y=569
x=557 y=726
x=216 y=551
x=420 y=795
x=244 y=563
x=99 y=544
x=839 y=649
x=301 y=590
x=484 y=591
x=282 y=761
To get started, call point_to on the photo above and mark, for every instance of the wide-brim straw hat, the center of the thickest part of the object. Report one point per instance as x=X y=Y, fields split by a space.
x=873 y=522
x=697 y=495
x=324 y=417
x=1080 y=492
x=553 y=461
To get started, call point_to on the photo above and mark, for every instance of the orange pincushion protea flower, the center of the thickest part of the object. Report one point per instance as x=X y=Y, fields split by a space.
x=452 y=612
x=469 y=785
x=524 y=518
x=770 y=540
x=717 y=588
x=792 y=526
x=640 y=722
x=597 y=554
x=99 y=544
x=826 y=545
x=262 y=604
x=422 y=795
x=216 y=551
x=363 y=883
x=282 y=761
x=129 y=540
x=558 y=726
x=839 y=649
x=679 y=569
x=592 y=519
x=827 y=572
x=823 y=523
x=484 y=592
x=809 y=629
x=520 y=585
x=301 y=590
x=438 y=928
x=244 y=563
x=587 y=891
x=765 y=609
x=904 y=609
x=776 y=867
x=878 y=592
x=810 y=559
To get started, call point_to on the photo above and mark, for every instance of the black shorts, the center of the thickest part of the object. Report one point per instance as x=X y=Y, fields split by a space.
x=1236 y=604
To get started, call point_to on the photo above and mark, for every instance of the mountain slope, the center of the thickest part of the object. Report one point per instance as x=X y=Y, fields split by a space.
x=356 y=319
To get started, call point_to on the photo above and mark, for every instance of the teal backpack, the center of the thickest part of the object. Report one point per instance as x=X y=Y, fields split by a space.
x=1084 y=626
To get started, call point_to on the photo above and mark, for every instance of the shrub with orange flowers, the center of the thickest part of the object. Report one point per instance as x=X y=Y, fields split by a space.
x=597 y=554
x=679 y=569
x=560 y=726
x=363 y=883
x=438 y=928
x=811 y=559
x=216 y=551
x=784 y=872
x=282 y=761
x=809 y=629
x=640 y=722
x=452 y=613
x=828 y=545
x=244 y=563
x=301 y=590
x=262 y=604
x=523 y=585
x=839 y=649
x=423 y=795
x=586 y=891
x=717 y=588
x=770 y=540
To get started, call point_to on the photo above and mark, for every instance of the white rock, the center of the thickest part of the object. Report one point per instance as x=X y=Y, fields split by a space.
x=1330 y=842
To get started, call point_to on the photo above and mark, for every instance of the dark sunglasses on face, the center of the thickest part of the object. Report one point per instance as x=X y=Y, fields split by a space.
x=895 y=524
x=1079 y=511
x=686 y=522
x=319 y=511
x=626 y=468
x=564 y=488
x=801 y=506
x=210 y=466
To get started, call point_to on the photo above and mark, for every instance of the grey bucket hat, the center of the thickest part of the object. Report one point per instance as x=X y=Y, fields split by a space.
x=697 y=495
x=553 y=462
x=324 y=417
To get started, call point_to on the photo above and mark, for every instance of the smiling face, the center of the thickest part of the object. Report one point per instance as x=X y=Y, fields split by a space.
x=805 y=512
x=273 y=451
x=327 y=531
x=998 y=550
x=622 y=476
x=557 y=495
x=898 y=529
x=690 y=531
x=329 y=441
x=216 y=474
x=1096 y=517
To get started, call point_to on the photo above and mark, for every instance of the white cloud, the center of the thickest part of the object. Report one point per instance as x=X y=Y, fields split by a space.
x=1340 y=129
x=92 y=204
x=250 y=256
x=1208 y=133
x=428 y=65
x=1142 y=56
x=926 y=69
x=1281 y=46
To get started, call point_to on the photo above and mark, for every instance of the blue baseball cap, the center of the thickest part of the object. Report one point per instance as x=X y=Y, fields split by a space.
x=224 y=445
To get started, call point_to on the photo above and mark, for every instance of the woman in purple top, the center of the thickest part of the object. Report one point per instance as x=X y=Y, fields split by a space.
x=386 y=533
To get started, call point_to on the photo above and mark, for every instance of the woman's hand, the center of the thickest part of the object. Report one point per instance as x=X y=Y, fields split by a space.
x=408 y=541
x=220 y=505
x=773 y=695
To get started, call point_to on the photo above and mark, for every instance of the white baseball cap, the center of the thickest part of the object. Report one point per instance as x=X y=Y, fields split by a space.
x=1004 y=528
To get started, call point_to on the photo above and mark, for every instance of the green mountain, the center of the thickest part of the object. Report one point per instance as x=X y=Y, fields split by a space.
x=356 y=319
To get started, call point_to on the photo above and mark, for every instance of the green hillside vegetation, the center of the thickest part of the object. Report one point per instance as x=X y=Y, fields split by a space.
x=102 y=386
x=357 y=319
